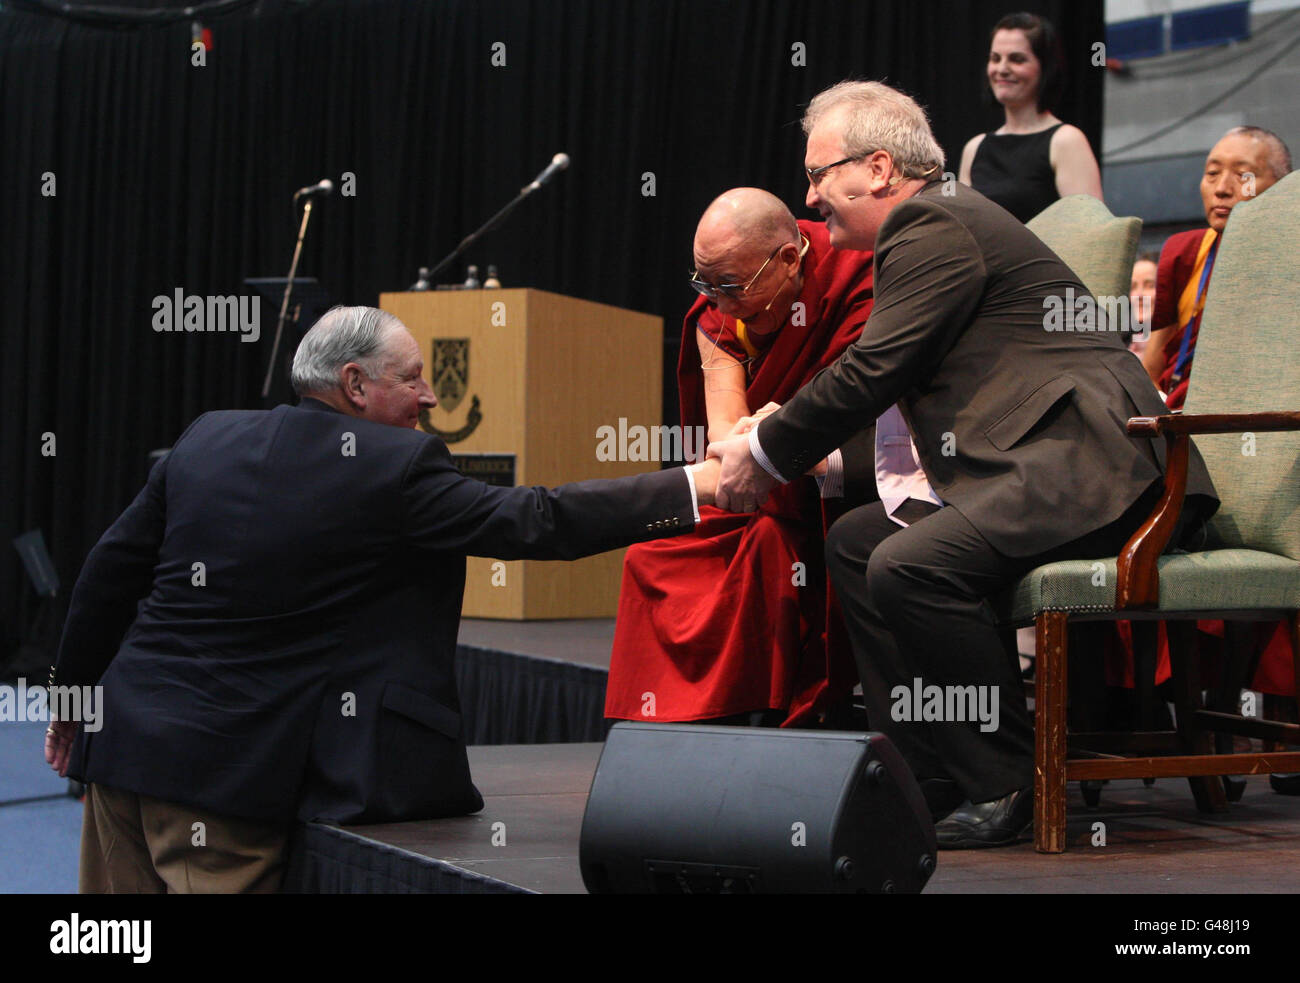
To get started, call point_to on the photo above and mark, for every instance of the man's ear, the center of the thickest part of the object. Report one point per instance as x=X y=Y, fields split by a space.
x=354 y=382
x=791 y=255
x=880 y=168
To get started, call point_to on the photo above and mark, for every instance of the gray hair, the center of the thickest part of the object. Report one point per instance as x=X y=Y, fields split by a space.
x=1277 y=154
x=342 y=335
x=880 y=118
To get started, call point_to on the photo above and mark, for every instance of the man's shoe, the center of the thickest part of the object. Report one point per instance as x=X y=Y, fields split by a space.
x=942 y=795
x=997 y=822
x=1285 y=784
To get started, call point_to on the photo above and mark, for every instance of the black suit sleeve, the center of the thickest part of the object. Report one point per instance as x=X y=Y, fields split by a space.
x=117 y=575
x=929 y=281
x=448 y=512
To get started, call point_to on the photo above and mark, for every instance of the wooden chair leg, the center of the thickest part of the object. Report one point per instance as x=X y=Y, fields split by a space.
x=1207 y=790
x=1051 y=671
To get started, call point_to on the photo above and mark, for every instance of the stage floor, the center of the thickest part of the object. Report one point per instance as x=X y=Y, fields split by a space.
x=586 y=642
x=1155 y=840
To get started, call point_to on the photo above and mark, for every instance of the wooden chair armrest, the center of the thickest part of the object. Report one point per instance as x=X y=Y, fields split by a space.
x=1155 y=426
x=1138 y=582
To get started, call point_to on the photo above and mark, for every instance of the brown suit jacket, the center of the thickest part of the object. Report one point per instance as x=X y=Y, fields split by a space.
x=1019 y=427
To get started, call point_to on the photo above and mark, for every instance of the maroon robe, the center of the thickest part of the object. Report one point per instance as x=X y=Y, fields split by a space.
x=723 y=620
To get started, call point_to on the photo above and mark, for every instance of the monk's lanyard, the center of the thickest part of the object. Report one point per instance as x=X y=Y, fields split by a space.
x=1186 y=348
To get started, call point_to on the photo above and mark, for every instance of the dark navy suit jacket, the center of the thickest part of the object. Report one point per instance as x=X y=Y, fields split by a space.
x=274 y=617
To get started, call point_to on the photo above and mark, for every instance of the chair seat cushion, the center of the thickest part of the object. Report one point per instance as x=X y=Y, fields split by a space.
x=1217 y=580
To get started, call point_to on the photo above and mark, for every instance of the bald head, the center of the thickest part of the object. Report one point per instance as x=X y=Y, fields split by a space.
x=749 y=247
x=1247 y=161
x=750 y=215
x=1272 y=150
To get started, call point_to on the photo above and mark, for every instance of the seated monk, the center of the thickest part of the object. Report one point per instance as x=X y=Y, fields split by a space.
x=1247 y=161
x=731 y=621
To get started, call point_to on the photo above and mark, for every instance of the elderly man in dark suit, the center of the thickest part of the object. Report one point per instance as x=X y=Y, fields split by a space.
x=273 y=619
x=1019 y=429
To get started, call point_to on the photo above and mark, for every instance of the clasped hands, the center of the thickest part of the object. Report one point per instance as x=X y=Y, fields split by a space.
x=737 y=482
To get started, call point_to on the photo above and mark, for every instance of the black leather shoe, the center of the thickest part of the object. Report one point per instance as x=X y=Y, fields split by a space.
x=942 y=795
x=998 y=822
x=1282 y=784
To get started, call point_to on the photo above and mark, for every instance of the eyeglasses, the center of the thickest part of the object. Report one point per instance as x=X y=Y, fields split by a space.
x=732 y=290
x=815 y=173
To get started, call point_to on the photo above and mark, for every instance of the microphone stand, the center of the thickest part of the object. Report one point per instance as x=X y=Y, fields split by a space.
x=284 y=304
x=490 y=224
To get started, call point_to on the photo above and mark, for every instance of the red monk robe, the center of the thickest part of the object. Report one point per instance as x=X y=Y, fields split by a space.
x=713 y=623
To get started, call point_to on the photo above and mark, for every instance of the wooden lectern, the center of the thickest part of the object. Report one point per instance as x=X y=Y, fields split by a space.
x=525 y=380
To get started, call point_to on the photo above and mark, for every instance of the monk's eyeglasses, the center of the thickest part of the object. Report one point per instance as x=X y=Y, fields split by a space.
x=732 y=290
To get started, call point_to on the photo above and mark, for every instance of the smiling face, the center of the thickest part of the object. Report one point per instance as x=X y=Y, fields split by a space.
x=843 y=195
x=1014 y=72
x=1236 y=168
x=398 y=392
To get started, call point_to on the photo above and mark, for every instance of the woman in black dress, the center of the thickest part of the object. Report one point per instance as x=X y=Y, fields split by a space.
x=1034 y=158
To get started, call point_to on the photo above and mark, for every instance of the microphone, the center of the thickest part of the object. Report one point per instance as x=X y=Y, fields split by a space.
x=322 y=188
x=558 y=163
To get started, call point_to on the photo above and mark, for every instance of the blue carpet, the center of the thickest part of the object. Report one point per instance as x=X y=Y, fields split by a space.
x=23 y=771
x=41 y=841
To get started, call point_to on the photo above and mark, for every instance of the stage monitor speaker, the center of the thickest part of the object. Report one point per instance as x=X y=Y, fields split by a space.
x=686 y=809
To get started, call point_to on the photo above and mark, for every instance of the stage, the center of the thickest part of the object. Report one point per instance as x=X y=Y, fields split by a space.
x=526 y=838
x=1156 y=841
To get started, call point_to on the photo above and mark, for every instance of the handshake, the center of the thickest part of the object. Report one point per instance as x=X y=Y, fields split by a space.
x=729 y=477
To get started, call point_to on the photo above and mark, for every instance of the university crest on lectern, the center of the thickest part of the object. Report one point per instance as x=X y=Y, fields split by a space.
x=450 y=371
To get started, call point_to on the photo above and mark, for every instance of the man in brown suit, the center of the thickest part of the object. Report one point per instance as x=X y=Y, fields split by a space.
x=1019 y=429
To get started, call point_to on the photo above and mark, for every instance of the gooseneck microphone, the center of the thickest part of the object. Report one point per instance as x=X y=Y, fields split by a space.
x=319 y=189
x=322 y=188
x=558 y=163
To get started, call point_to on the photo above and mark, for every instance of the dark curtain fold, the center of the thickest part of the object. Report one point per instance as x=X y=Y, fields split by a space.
x=330 y=860
x=174 y=176
x=507 y=698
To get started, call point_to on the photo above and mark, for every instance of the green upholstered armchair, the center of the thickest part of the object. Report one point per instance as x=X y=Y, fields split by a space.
x=1243 y=407
x=1099 y=247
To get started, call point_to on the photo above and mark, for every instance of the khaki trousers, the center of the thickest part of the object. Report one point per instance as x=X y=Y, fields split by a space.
x=134 y=844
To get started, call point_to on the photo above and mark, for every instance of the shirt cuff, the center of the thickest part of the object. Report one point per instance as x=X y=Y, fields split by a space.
x=756 y=449
x=695 y=499
x=832 y=482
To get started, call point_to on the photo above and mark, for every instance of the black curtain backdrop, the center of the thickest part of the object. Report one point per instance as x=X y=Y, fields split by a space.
x=167 y=175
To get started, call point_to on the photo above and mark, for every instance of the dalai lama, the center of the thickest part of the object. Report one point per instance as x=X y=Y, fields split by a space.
x=733 y=623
